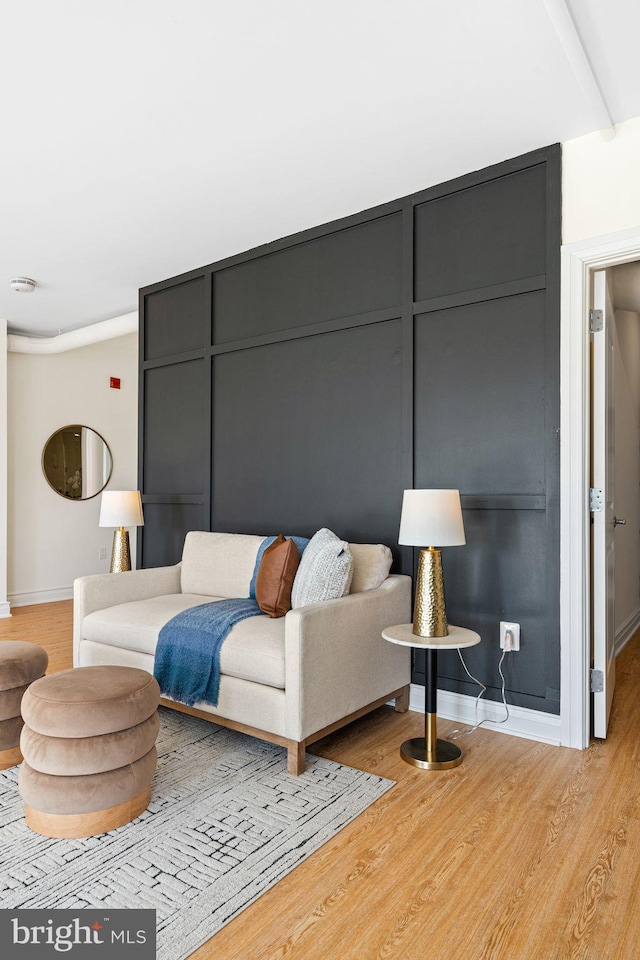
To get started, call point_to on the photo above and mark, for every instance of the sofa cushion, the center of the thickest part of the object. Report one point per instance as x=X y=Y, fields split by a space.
x=371 y=565
x=275 y=577
x=325 y=570
x=253 y=650
x=136 y=625
x=218 y=564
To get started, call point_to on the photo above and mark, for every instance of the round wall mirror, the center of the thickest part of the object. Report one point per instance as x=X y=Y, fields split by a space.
x=77 y=462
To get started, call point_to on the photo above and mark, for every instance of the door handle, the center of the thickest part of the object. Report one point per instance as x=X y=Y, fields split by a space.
x=617 y=522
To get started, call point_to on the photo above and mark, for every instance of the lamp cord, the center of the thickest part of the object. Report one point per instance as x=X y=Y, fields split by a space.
x=479 y=723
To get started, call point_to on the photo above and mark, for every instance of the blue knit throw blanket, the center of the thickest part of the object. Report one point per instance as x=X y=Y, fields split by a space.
x=187 y=663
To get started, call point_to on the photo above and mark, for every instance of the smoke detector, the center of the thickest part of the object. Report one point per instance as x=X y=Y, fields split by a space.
x=22 y=285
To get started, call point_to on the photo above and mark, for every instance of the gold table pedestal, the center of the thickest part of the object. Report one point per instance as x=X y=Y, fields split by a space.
x=428 y=752
x=445 y=755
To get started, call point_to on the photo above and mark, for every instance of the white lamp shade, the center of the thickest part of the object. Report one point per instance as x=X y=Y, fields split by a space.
x=121 y=508
x=431 y=518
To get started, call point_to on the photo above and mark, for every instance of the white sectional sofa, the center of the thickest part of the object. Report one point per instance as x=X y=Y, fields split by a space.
x=289 y=680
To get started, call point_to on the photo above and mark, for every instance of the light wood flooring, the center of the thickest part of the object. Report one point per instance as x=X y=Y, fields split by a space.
x=524 y=852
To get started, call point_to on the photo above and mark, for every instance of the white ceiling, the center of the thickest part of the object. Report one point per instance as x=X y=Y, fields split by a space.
x=144 y=138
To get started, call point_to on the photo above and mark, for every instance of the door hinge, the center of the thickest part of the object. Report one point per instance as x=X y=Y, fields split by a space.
x=597 y=681
x=596 y=321
x=595 y=500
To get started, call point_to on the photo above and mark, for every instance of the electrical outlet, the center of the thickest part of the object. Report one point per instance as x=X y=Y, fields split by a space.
x=102 y=553
x=509 y=635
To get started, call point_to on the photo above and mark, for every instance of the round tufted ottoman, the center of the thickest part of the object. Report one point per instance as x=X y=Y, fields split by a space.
x=89 y=749
x=20 y=664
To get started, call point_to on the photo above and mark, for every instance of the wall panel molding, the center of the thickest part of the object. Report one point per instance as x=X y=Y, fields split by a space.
x=510 y=288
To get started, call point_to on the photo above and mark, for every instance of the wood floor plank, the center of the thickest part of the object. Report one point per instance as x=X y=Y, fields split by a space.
x=524 y=852
x=49 y=624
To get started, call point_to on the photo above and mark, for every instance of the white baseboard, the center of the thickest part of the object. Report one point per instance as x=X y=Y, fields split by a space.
x=626 y=631
x=5 y=610
x=522 y=722
x=40 y=596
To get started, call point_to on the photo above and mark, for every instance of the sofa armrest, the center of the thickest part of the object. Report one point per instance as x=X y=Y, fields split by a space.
x=336 y=660
x=104 y=590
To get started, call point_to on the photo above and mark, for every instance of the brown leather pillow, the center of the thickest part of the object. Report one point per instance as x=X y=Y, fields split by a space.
x=276 y=573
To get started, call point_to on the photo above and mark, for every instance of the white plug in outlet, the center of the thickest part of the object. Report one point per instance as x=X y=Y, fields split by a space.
x=509 y=635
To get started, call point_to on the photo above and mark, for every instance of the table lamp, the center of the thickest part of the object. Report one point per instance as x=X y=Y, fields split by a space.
x=121 y=508
x=431 y=517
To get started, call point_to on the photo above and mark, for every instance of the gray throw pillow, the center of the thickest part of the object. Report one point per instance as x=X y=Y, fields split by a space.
x=325 y=570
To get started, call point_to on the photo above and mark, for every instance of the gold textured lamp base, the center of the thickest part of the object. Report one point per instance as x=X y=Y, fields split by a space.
x=429 y=615
x=120 y=553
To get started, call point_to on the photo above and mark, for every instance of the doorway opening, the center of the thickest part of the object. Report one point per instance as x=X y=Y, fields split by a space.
x=615 y=476
x=581 y=262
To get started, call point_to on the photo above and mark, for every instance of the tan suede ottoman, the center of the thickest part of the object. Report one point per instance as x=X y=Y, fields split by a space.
x=89 y=749
x=20 y=664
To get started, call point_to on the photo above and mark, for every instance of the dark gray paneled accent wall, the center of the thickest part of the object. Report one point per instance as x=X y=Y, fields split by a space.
x=166 y=524
x=308 y=382
x=174 y=319
x=493 y=233
x=349 y=272
x=174 y=459
x=480 y=396
x=303 y=419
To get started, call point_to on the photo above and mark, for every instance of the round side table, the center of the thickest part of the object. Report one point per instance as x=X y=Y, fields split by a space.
x=428 y=752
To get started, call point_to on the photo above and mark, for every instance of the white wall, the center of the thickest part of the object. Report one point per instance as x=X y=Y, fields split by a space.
x=600 y=191
x=627 y=473
x=4 y=606
x=52 y=540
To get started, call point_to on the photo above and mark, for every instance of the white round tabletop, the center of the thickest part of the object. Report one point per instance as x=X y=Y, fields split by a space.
x=403 y=634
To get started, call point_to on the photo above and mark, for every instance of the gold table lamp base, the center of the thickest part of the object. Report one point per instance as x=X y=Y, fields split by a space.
x=120 y=553
x=429 y=615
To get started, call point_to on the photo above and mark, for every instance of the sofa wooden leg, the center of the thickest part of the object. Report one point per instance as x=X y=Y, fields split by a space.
x=295 y=759
x=402 y=701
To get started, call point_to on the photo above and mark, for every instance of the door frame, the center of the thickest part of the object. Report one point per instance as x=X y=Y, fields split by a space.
x=578 y=260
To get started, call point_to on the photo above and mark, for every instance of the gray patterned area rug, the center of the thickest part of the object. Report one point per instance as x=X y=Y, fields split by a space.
x=225 y=823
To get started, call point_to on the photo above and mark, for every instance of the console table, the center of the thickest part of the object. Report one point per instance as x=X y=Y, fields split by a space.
x=428 y=752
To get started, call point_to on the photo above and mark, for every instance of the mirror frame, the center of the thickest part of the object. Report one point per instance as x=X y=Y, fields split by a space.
x=71 y=426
